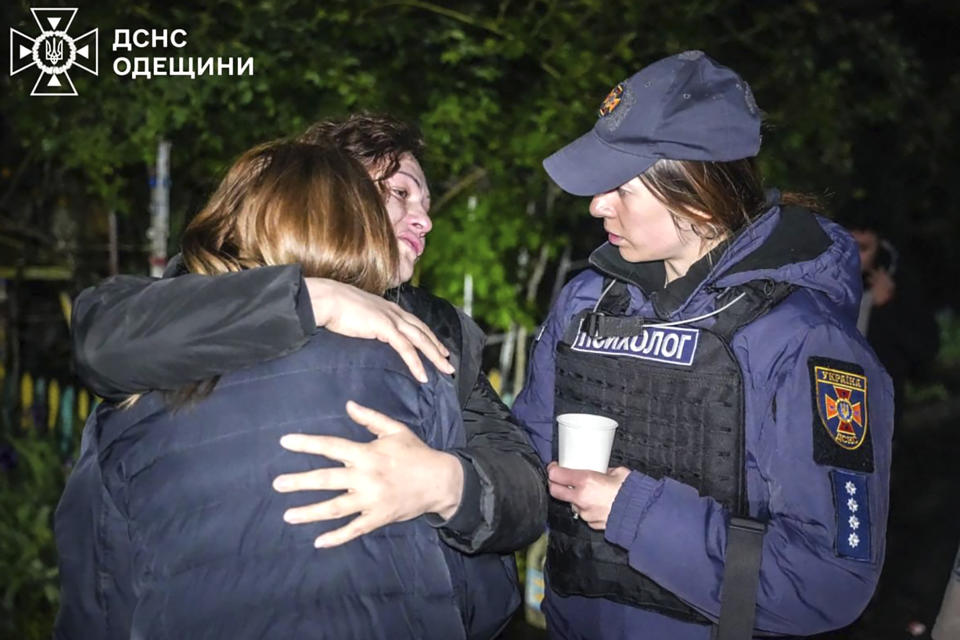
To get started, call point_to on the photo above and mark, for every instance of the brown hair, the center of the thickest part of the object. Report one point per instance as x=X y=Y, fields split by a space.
x=284 y=202
x=731 y=193
x=376 y=140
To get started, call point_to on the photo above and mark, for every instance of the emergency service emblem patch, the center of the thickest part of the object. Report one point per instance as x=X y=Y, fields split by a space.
x=842 y=405
x=841 y=437
x=611 y=101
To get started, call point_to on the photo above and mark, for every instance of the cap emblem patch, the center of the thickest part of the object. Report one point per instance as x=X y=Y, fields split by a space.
x=612 y=101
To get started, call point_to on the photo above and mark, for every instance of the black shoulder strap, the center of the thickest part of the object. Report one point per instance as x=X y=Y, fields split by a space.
x=759 y=296
x=616 y=297
x=741 y=575
x=608 y=320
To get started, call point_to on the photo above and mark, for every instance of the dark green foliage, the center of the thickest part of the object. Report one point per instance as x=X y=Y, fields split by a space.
x=28 y=562
x=852 y=109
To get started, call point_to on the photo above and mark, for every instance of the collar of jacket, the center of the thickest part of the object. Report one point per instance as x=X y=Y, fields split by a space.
x=780 y=236
x=650 y=276
x=175 y=267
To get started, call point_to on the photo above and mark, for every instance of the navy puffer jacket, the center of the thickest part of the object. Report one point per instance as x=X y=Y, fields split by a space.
x=169 y=528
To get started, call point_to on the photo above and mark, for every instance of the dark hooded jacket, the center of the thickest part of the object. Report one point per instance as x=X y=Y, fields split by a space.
x=132 y=334
x=169 y=527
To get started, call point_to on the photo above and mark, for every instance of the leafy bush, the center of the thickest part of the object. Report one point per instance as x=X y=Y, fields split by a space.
x=949 y=355
x=946 y=370
x=29 y=491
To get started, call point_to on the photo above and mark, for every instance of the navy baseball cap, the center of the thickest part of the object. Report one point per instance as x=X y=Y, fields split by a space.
x=685 y=107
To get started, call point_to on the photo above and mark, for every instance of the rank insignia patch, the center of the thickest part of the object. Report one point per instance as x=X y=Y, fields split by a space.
x=611 y=101
x=840 y=434
x=853 y=514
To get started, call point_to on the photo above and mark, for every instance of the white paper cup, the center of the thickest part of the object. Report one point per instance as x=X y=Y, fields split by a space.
x=585 y=441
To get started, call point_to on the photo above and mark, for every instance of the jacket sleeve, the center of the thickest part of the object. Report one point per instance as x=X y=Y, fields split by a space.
x=810 y=580
x=504 y=502
x=132 y=334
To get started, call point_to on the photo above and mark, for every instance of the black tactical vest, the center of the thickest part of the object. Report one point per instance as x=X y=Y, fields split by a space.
x=677 y=394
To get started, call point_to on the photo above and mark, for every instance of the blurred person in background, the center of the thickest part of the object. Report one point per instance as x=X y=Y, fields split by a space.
x=168 y=527
x=898 y=322
x=947 y=626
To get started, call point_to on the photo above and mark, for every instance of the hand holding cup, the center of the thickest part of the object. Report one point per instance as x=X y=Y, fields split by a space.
x=585 y=441
x=582 y=476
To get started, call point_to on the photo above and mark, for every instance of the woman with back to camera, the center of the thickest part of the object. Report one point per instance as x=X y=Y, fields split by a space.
x=750 y=470
x=168 y=527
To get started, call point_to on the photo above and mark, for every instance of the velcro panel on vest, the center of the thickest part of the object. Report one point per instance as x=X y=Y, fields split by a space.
x=684 y=422
x=691 y=416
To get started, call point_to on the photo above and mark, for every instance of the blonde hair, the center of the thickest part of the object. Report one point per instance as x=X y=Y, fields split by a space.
x=284 y=202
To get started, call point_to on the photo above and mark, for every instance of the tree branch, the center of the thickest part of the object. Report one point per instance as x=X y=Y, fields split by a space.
x=459 y=16
x=459 y=187
x=449 y=13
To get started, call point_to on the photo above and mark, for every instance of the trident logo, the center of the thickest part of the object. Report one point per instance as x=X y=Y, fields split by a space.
x=54 y=52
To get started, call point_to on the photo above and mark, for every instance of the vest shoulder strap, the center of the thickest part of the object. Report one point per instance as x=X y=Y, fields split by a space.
x=759 y=296
x=741 y=576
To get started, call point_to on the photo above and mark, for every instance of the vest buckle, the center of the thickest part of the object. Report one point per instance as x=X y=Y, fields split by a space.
x=593 y=323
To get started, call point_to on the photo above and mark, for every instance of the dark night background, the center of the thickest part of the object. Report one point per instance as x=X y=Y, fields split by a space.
x=862 y=109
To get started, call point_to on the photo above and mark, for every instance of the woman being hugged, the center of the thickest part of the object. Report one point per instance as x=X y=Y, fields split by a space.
x=168 y=527
x=133 y=334
x=750 y=470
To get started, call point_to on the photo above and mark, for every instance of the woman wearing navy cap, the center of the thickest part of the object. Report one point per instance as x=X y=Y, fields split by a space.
x=749 y=473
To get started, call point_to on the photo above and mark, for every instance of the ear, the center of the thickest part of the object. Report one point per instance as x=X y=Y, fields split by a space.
x=702 y=215
x=704 y=226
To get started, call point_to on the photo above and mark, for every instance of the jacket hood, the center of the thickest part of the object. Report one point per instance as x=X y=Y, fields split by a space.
x=786 y=244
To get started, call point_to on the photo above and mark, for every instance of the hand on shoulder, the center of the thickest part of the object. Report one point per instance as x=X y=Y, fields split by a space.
x=352 y=312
